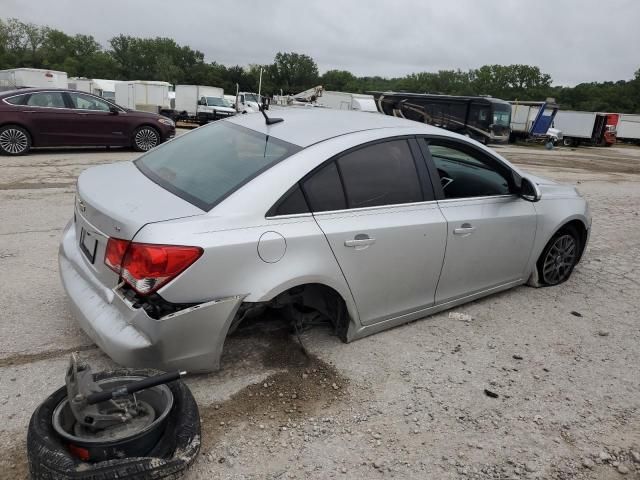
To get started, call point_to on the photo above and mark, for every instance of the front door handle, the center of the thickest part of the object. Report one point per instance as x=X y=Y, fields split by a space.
x=464 y=229
x=360 y=241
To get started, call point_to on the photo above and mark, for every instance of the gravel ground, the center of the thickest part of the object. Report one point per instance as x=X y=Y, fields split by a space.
x=564 y=362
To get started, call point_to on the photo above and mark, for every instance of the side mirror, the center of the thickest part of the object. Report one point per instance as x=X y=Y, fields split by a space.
x=114 y=110
x=529 y=191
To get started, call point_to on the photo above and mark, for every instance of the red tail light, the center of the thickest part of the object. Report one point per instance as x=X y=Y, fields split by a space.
x=146 y=267
x=116 y=249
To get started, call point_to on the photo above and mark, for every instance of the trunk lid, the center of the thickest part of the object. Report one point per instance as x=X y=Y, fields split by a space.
x=117 y=200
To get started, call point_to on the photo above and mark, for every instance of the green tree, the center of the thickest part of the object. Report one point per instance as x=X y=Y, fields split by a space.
x=338 y=80
x=294 y=72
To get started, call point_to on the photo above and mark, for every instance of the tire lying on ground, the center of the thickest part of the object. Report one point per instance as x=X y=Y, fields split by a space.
x=176 y=450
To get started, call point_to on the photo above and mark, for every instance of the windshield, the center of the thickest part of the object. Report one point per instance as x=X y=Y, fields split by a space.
x=502 y=115
x=252 y=97
x=208 y=164
x=217 y=102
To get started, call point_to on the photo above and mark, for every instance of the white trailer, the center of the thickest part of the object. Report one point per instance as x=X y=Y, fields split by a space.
x=584 y=127
x=629 y=128
x=347 y=101
x=575 y=124
x=32 y=78
x=522 y=118
x=143 y=95
x=97 y=86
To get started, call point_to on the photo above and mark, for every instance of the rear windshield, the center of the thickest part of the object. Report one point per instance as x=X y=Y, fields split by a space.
x=208 y=164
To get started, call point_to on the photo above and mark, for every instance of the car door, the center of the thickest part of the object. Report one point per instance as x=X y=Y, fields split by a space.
x=491 y=229
x=49 y=118
x=376 y=208
x=95 y=124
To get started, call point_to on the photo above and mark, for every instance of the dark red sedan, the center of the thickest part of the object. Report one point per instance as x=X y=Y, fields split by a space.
x=38 y=117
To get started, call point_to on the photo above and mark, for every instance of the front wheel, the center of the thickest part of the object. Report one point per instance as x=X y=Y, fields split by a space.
x=145 y=138
x=559 y=257
x=14 y=140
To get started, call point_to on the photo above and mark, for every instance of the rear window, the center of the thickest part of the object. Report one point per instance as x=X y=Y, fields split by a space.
x=210 y=163
x=17 y=100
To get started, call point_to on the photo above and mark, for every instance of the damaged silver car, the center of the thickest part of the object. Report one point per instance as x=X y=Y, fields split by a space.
x=371 y=220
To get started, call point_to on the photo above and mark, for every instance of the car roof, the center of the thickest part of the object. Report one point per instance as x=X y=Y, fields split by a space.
x=304 y=126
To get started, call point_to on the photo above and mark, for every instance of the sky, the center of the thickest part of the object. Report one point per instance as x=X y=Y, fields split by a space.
x=574 y=41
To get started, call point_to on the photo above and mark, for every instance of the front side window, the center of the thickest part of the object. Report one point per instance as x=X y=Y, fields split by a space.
x=46 y=99
x=479 y=115
x=380 y=174
x=464 y=173
x=208 y=164
x=87 y=102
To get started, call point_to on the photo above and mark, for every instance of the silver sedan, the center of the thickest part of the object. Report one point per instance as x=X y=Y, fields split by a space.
x=370 y=220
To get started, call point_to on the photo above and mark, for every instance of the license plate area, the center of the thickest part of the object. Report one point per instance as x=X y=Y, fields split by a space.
x=88 y=245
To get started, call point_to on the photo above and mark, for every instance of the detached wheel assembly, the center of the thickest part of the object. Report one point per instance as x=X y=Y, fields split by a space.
x=122 y=424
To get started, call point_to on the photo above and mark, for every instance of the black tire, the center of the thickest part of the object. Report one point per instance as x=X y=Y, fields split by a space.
x=14 y=140
x=559 y=257
x=567 y=142
x=145 y=138
x=176 y=450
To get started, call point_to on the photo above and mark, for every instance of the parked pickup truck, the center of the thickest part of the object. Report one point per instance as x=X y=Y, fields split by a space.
x=201 y=104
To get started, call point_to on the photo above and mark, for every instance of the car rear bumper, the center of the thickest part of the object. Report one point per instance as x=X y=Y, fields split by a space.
x=191 y=339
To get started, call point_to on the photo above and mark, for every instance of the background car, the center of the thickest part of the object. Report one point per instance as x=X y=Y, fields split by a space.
x=65 y=118
x=372 y=221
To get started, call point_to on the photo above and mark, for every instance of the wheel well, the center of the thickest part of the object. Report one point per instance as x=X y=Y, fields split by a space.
x=14 y=124
x=579 y=227
x=148 y=125
x=298 y=301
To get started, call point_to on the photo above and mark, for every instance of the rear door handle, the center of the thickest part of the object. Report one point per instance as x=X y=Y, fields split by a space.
x=464 y=229
x=359 y=242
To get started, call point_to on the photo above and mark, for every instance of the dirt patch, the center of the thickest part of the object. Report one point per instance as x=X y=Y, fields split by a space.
x=13 y=462
x=599 y=161
x=306 y=386
x=16 y=360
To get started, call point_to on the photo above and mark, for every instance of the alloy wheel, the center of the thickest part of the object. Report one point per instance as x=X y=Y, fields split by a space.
x=146 y=139
x=559 y=260
x=14 y=141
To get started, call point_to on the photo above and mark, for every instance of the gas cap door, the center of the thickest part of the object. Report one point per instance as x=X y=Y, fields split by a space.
x=271 y=247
